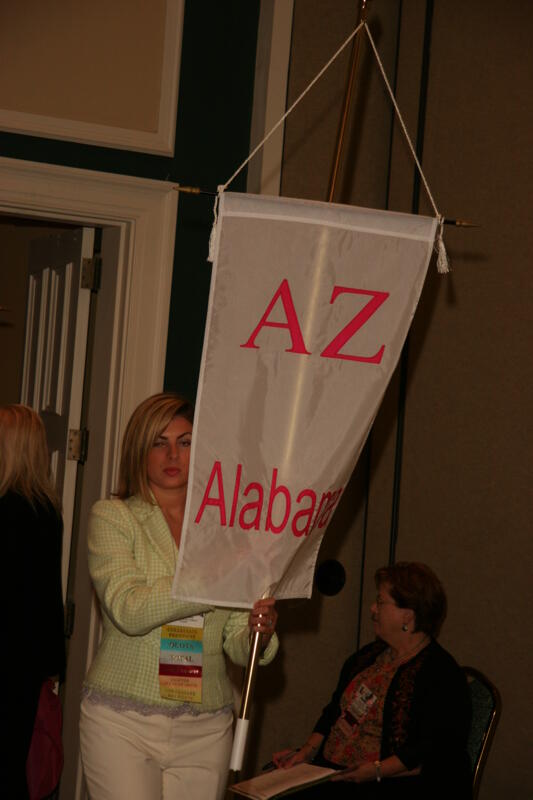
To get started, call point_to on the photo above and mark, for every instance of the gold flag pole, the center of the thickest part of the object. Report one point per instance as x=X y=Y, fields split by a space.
x=241 y=729
x=356 y=48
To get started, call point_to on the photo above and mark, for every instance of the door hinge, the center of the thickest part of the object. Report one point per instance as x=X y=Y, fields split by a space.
x=70 y=611
x=91 y=272
x=78 y=444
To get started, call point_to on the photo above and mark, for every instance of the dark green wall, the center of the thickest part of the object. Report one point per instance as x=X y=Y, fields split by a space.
x=212 y=139
x=216 y=103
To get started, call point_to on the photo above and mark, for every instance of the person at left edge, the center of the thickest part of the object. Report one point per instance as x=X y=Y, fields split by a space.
x=30 y=590
x=141 y=740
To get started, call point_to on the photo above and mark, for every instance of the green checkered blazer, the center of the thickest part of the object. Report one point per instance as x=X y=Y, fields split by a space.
x=132 y=559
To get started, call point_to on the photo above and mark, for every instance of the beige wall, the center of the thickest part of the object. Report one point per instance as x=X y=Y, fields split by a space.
x=466 y=497
x=467 y=491
x=57 y=59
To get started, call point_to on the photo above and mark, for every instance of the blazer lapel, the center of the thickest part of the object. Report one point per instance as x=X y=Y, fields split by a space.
x=156 y=529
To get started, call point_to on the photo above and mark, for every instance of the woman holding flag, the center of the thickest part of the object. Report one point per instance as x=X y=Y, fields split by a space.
x=156 y=716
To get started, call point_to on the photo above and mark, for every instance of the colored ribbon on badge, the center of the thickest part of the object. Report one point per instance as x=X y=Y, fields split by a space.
x=181 y=660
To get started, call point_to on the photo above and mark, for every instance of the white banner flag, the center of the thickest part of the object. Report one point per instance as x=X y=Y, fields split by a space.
x=309 y=308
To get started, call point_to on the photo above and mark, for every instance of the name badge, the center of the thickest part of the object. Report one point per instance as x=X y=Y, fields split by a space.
x=359 y=707
x=180 y=660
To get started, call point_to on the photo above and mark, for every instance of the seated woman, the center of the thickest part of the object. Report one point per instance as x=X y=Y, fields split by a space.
x=398 y=721
x=156 y=717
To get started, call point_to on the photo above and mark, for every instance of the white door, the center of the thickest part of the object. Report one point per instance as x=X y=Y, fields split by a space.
x=55 y=350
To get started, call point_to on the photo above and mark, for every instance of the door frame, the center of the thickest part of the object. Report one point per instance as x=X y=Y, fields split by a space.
x=145 y=211
x=138 y=221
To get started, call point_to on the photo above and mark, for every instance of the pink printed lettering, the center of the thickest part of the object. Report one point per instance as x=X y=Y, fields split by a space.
x=333 y=348
x=331 y=502
x=284 y=512
x=219 y=501
x=235 y=495
x=274 y=491
x=304 y=513
x=327 y=503
x=292 y=324
x=256 y=506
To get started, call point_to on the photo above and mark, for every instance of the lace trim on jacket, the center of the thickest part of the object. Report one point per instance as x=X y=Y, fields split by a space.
x=122 y=704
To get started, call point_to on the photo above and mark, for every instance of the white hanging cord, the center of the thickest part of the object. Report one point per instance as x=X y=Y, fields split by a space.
x=402 y=123
x=442 y=257
x=221 y=188
x=293 y=106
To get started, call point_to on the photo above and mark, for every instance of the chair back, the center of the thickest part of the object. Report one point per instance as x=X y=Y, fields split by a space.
x=486 y=710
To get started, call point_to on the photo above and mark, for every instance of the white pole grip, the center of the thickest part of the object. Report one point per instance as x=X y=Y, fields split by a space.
x=239 y=743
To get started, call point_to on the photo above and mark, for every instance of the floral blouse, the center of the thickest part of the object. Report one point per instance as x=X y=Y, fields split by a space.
x=356 y=735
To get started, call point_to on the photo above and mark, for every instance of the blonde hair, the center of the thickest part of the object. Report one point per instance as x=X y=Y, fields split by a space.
x=24 y=456
x=147 y=422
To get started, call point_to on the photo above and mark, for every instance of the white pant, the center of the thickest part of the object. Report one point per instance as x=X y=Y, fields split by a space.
x=128 y=756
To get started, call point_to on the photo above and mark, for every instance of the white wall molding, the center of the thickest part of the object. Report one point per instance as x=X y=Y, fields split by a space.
x=160 y=142
x=270 y=94
x=145 y=211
